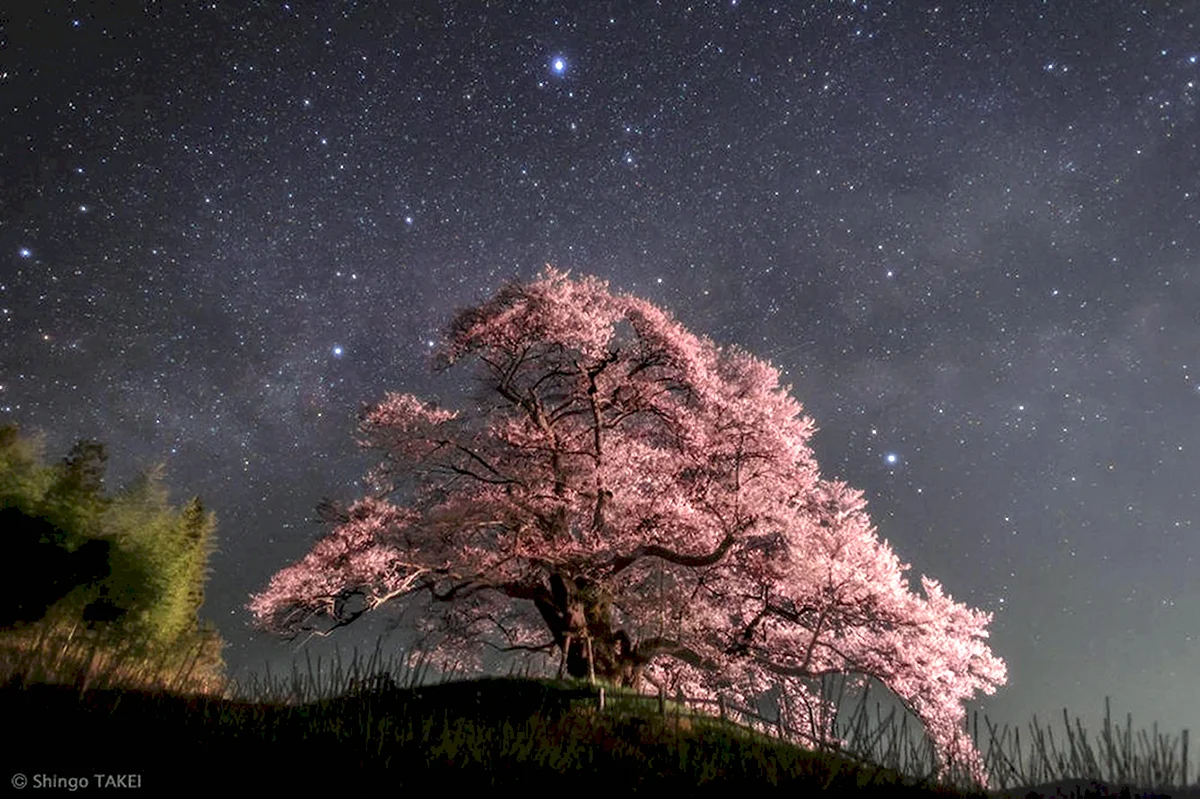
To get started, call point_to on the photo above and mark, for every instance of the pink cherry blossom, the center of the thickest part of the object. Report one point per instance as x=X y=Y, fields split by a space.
x=630 y=500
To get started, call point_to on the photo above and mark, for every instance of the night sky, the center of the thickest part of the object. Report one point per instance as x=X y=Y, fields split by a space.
x=967 y=233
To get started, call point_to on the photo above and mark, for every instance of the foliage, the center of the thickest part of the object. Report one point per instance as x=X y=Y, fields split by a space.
x=127 y=564
x=75 y=501
x=23 y=478
x=160 y=569
x=636 y=503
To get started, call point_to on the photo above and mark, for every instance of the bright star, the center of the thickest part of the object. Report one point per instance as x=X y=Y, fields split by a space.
x=892 y=458
x=559 y=65
x=24 y=252
x=338 y=351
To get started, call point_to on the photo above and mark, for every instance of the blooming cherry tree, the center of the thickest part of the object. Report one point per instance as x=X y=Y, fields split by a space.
x=634 y=503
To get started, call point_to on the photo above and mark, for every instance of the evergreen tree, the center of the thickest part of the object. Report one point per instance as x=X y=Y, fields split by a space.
x=160 y=566
x=198 y=545
x=199 y=527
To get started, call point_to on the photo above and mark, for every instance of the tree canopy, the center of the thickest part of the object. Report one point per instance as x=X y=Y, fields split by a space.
x=631 y=501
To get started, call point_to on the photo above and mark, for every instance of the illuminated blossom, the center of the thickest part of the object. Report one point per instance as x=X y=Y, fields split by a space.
x=630 y=500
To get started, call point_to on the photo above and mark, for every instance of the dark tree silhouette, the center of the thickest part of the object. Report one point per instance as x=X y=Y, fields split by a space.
x=85 y=465
x=39 y=570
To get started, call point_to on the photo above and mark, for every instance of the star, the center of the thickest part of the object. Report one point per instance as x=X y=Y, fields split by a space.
x=707 y=172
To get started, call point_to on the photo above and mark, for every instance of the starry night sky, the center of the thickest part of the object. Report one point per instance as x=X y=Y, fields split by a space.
x=968 y=233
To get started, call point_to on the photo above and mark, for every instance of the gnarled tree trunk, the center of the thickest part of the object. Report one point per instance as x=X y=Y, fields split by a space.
x=579 y=615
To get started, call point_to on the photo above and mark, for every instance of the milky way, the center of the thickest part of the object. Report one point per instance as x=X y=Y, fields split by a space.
x=968 y=234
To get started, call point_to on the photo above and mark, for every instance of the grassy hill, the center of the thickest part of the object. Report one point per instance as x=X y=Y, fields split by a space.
x=488 y=732
x=362 y=726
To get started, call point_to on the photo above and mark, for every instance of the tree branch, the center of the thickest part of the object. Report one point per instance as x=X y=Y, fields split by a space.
x=620 y=563
x=646 y=650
